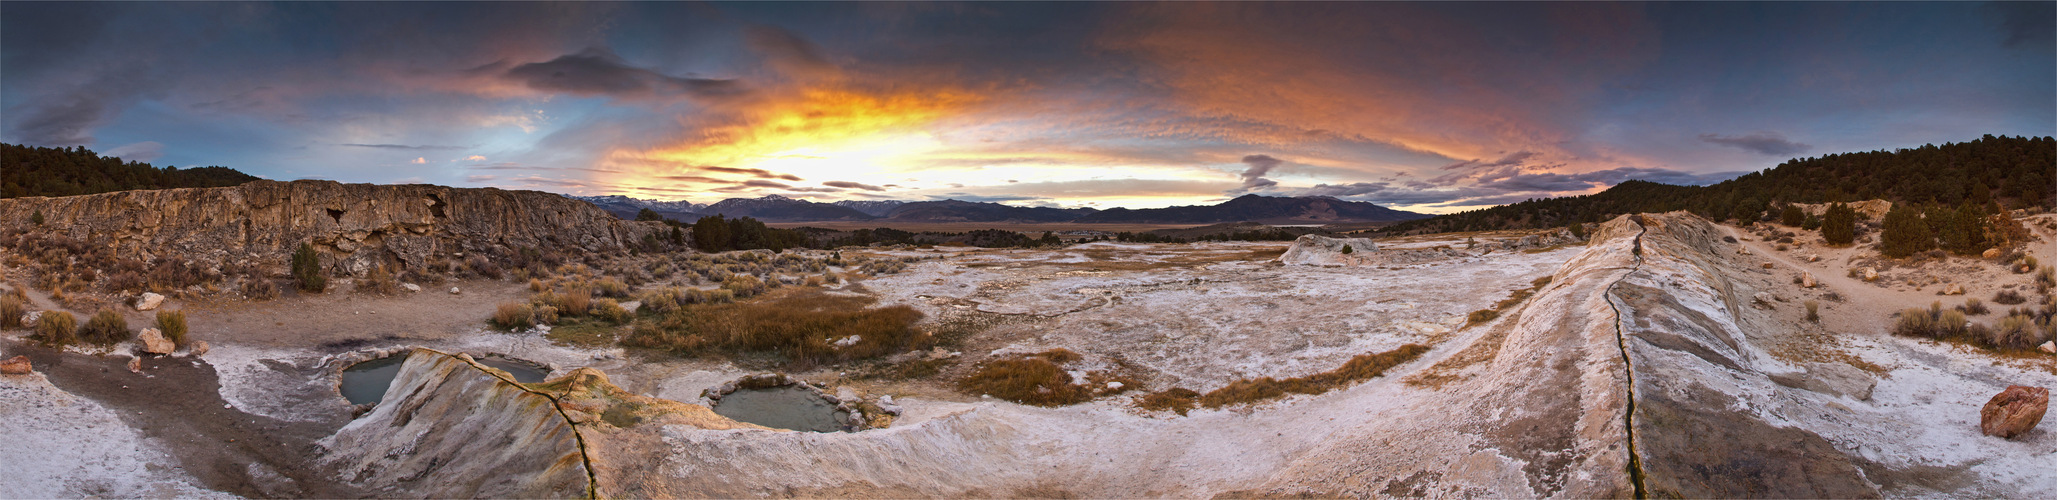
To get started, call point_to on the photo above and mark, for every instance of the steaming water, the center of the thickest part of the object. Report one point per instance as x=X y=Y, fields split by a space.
x=783 y=407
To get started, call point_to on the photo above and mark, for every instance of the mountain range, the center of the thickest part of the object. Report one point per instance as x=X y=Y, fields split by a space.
x=1251 y=208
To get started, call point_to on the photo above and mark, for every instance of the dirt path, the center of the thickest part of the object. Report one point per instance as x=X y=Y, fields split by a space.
x=296 y=321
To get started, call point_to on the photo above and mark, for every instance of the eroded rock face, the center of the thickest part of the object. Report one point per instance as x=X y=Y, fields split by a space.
x=353 y=226
x=2014 y=411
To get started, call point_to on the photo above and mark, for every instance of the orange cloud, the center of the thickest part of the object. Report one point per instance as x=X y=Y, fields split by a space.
x=828 y=132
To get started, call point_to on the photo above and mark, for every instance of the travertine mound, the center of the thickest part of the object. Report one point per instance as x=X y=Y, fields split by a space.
x=354 y=226
x=448 y=428
x=1318 y=250
x=452 y=428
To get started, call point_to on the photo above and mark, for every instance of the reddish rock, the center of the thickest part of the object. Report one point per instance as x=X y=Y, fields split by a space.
x=2014 y=411
x=18 y=365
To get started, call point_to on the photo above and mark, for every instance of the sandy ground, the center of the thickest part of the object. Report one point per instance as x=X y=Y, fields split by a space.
x=1193 y=316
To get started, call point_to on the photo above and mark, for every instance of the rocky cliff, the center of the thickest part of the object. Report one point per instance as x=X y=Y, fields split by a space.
x=354 y=226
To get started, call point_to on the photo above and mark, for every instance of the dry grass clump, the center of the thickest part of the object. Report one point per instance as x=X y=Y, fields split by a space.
x=1177 y=400
x=57 y=328
x=1360 y=368
x=1481 y=316
x=610 y=311
x=173 y=325
x=126 y=281
x=514 y=316
x=1027 y=380
x=1973 y=306
x=484 y=267
x=259 y=288
x=2018 y=332
x=611 y=288
x=378 y=282
x=1813 y=311
x=2021 y=329
x=2008 y=298
x=800 y=326
x=11 y=309
x=661 y=300
x=106 y=328
x=743 y=285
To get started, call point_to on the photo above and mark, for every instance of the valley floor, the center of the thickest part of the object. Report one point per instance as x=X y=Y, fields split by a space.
x=1529 y=404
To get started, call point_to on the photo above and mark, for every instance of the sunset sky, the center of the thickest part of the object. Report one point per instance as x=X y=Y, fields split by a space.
x=1432 y=107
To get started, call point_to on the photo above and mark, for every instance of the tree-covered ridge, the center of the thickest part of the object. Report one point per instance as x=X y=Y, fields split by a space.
x=40 y=171
x=2012 y=172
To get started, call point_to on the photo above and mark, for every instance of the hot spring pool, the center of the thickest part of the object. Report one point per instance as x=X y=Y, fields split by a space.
x=367 y=382
x=786 y=407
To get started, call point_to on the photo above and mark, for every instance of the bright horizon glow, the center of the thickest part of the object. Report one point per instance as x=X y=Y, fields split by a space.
x=1432 y=107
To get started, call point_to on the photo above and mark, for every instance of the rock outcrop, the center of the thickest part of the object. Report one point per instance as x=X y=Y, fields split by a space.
x=1318 y=250
x=2014 y=411
x=355 y=227
x=450 y=427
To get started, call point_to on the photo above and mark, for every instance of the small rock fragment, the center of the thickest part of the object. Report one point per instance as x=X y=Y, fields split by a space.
x=2049 y=347
x=1991 y=253
x=135 y=366
x=1807 y=280
x=18 y=365
x=1869 y=274
x=2014 y=411
x=455 y=291
x=1953 y=289
x=1765 y=299
x=410 y=287
x=149 y=300
x=199 y=348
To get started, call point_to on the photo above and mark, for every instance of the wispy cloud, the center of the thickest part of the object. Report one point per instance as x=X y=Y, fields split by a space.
x=1764 y=143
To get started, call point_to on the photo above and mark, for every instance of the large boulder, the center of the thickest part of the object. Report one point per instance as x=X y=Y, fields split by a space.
x=18 y=365
x=153 y=342
x=2014 y=411
x=149 y=301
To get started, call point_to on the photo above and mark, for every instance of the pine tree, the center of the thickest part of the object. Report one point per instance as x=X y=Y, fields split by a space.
x=1905 y=233
x=1967 y=234
x=1839 y=224
x=711 y=234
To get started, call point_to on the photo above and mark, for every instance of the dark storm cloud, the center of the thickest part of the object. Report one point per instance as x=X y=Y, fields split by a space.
x=853 y=185
x=598 y=72
x=1253 y=177
x=766 y=184
x=1764 y=143
x=70 y=117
